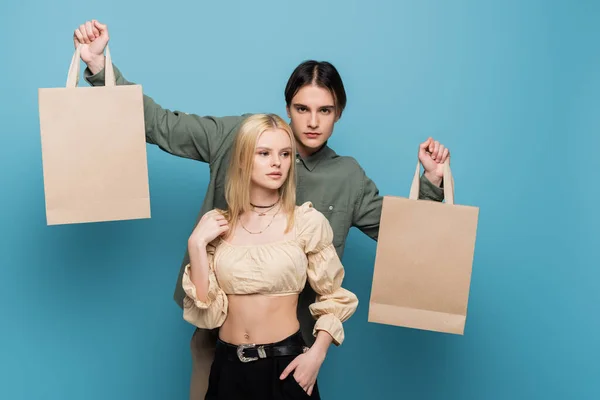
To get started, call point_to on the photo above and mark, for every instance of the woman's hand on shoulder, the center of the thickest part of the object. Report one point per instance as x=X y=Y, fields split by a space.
x=212 y=225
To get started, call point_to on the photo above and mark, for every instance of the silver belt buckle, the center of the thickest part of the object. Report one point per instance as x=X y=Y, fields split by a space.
x=244 y=359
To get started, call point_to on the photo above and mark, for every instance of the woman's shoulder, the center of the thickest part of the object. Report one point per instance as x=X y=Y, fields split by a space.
x=310 y=220
x=308 y=210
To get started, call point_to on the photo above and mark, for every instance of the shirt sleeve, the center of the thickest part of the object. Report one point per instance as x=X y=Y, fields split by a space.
x=212 y=313
x=185 y=135
x=333 y=304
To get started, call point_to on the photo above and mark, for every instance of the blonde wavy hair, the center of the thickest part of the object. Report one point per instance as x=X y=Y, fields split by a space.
x=239 y=174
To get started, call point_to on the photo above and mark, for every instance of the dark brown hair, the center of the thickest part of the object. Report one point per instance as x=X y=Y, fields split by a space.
x=319 y=73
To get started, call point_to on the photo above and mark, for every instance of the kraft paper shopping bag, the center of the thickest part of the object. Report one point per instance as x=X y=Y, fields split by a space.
x=424 y=261
x=93 y=150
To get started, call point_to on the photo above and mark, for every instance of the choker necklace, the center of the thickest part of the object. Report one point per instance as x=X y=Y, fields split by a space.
x=263 y=210
x=271 y=206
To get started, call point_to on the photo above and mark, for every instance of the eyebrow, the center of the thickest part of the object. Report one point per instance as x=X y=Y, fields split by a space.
x=305 y=106
x=268 y=148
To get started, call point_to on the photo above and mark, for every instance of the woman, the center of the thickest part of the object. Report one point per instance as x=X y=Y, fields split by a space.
x=249 y=264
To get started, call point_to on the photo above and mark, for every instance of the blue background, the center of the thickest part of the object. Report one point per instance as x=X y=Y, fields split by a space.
x=512 y=87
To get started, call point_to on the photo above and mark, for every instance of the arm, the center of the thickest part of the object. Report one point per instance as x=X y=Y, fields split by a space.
x=333 y=305
x=184 y=135
x=367 y=209
x=190 y=136
x=205 y=304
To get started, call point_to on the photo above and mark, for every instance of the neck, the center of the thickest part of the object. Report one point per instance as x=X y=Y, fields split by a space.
x=306 y=151
x=263 y=197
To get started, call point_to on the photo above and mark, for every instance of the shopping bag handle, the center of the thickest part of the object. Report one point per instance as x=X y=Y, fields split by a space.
x=448 y=183
x=73 y=76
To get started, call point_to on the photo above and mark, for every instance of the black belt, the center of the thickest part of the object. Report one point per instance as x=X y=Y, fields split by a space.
x=252 y=352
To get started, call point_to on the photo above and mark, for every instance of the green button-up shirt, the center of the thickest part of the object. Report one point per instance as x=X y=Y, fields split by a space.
x=336 y=185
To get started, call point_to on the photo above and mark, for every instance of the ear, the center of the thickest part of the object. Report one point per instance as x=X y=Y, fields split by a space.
x=287 y=109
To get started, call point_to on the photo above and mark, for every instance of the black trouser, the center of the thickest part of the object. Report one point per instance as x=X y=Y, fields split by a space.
x=232 y=379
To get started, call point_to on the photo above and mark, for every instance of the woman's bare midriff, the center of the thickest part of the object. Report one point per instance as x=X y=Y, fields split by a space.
x=260 y=319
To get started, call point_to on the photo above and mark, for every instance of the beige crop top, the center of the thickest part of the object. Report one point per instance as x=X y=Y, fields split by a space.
x=275 y=269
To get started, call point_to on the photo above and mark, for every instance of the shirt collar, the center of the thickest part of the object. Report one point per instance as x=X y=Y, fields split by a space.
x=311 y=161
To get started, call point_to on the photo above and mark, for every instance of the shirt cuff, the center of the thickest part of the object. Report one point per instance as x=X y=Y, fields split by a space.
x=190 y=290
x=98 y=79
x=429 y=191
x=94 y=79
x=332 y=325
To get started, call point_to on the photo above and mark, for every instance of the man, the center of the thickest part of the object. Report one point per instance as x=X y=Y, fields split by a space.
x=337 y=186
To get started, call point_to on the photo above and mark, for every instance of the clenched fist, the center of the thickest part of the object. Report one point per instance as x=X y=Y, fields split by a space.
x=92 y=36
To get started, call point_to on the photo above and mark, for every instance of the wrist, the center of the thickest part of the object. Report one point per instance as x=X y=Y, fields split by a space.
x=319 y=353
x=433 y=178
x=96 y=63
x=197 y=243
x=321 y=344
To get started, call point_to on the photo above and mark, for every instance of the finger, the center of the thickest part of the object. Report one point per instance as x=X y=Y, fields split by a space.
x=425 y=144
x=300 y=381
x=436 y=148
x=440 y=153
x=89 y=31
x=209 y=214
x=429 y=144
x=446 y=155
x=101 y=27
x=223 y=223
x=78 y=36
x=291 y=366
x=83 y=34
x=95 y=30
x=304 y=386
x=219 y=221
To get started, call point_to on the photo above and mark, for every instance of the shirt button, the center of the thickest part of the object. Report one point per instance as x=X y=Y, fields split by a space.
x=331 y=207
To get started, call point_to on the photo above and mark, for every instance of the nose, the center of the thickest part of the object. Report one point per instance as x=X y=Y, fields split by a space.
x=276 y=161
x=313 y=123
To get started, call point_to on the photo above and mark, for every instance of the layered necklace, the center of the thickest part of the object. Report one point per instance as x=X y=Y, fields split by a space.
x=265 y=210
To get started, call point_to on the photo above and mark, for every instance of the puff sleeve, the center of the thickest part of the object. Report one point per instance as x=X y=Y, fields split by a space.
x=212 y=313
x=333 y=304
